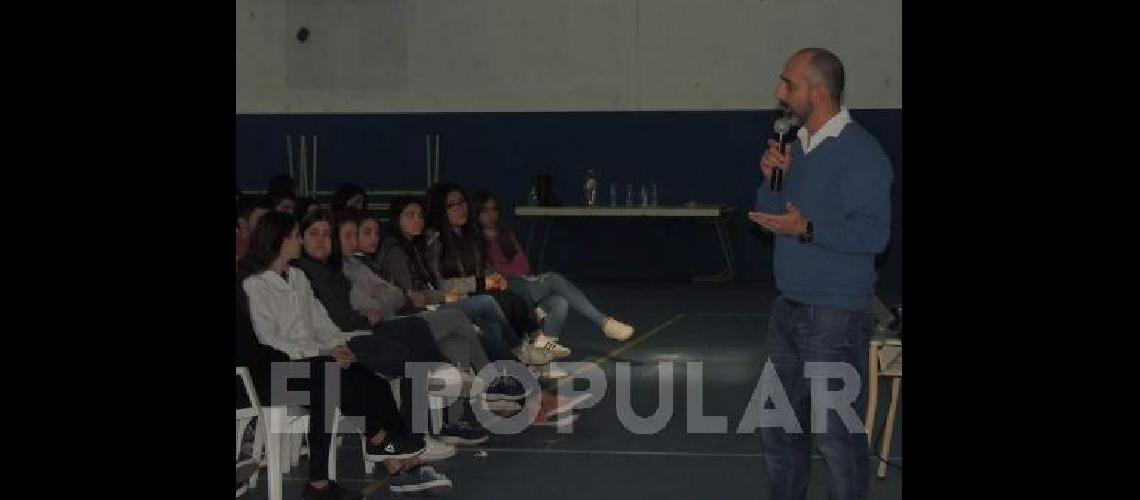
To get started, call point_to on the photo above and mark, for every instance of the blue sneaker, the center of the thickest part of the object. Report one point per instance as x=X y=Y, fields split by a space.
x=464 y=433
x=505 y=388
x=420 y=479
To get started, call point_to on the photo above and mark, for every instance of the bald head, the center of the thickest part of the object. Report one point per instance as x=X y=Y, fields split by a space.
x=824 y=68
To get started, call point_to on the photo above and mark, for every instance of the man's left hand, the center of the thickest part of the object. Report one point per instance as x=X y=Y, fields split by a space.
x=791 y=223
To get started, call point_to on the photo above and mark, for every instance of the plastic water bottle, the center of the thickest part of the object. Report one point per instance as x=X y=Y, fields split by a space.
x=629 y=194
x=532 y=196
x=653 y=194
x=591 y=188
x=644 y=196
x=613 y=194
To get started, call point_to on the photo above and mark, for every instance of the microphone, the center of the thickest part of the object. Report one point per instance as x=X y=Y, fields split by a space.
x=782 y=126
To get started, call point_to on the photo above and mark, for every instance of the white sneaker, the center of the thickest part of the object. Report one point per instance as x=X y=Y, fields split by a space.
x=617 y=330
x=543 y=341
x=503 y=406
x=532 y=355
x=436 y=450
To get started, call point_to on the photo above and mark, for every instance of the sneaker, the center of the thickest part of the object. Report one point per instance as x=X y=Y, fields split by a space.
x=542 y=341
x=464 y=433
x=503 y=406
x=532 y=355
x=331 y=492
x=437 y=450
x=504 y=388
x=617 y=330
x=393 y=447
x=419 y=479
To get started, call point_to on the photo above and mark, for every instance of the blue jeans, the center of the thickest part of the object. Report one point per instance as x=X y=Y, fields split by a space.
x=555 y=295
x=800 y=333
x=495 y=332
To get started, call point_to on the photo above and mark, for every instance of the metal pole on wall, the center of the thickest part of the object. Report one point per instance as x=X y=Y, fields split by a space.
x=304 y=163
x=436 y=157
x=314 y=181
x=289 y=152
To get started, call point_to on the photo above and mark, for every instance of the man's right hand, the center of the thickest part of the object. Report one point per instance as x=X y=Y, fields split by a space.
x=774 y=158
x=452 y=297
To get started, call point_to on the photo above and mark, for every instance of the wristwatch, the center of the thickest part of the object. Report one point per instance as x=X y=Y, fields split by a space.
x=807 y=235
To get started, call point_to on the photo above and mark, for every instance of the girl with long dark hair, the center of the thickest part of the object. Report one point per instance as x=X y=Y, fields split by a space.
x=462 y=267
x=550 y=291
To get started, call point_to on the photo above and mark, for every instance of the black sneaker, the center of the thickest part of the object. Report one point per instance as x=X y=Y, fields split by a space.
x=505 y=388
x=331 y=492
x=464 y=432
x=394 y=447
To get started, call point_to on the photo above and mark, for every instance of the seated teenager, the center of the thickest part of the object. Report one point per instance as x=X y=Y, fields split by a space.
x=249 y=210
x=396 y=340
x=285 y=316
x=402 y=260
x=458 y=258
x=456 y=336
x=453 y=332
x=551 y=291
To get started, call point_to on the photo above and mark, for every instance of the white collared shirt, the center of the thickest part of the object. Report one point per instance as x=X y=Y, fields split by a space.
x=288 y=317
x=830 y=129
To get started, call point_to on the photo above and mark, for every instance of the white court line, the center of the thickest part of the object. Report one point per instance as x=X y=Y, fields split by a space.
x=643 y=453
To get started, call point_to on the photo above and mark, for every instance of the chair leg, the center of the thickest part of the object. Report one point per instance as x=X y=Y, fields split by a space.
x=333 y=444
x=872 y=391
x=276 y=421
x=889 y=429
x=259 y=451
x=241 y=425
x=297 y=433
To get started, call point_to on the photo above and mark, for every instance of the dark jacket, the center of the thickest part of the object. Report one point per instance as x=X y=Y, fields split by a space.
x=461 y=265
x=332 y=288
x=412 y=266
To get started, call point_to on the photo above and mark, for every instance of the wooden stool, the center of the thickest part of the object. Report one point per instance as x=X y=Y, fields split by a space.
x=884 y=360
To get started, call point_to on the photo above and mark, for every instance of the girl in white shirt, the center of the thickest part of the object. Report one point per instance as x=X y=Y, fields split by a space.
x=287 y=317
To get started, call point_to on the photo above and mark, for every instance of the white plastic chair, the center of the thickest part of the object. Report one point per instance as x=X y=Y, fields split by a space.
x=274 y=427
x=281 y=431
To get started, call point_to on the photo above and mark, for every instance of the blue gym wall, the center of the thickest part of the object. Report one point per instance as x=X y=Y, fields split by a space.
x=708 y=157
x=669 y=91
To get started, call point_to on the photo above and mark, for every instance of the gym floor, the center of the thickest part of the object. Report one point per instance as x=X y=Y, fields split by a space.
x=721 y=325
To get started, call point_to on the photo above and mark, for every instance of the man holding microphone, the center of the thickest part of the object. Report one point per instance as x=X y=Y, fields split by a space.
x=830 y=213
